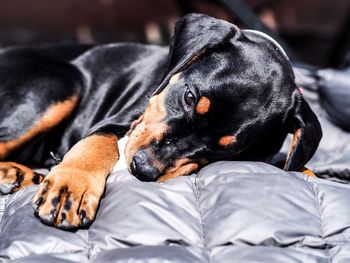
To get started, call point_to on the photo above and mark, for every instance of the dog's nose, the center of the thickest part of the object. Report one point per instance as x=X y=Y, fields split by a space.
x=141 y=168
x=134 y=166
x=138 y=161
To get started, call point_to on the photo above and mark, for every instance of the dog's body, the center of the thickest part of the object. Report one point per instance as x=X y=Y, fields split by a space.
x=223 y=94
x=108 y=86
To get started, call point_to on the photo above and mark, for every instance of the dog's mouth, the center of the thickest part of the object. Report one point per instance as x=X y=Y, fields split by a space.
x=181 y=167
x=147 y=169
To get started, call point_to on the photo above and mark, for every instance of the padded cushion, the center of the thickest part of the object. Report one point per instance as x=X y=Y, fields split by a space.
x=228 y=212
x=335 y=95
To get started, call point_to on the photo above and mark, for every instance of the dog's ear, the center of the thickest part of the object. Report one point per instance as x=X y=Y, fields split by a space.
x=194 y=35
x=307 y=133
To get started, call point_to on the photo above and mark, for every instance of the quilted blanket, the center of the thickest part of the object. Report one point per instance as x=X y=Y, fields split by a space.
x=228 y=212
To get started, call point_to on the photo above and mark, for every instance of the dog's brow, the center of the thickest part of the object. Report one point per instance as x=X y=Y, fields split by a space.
x=227 y=140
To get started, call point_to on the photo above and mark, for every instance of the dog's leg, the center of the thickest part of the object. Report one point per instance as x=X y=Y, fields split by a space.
x=14 y=176
x=69 y=196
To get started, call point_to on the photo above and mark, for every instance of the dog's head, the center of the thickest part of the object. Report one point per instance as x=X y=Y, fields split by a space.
x=227 y=94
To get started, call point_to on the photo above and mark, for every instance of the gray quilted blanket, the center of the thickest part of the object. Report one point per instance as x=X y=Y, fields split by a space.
x=228 y=212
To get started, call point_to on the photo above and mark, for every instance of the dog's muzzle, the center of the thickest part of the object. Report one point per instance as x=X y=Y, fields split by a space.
x=142 y=168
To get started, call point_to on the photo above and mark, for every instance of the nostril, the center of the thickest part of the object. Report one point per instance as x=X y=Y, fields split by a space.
x=133 y=167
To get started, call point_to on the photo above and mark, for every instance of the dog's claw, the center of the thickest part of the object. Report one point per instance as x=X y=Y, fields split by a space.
x=37 y=203
x=82 y=215
x=67 y=204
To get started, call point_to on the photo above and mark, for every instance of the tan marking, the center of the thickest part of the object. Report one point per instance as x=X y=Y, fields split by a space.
x=11 y=175
x=307 y=171
x=51 y=118
x=174 y=78
x=227 y=140
x=150 y=128
x=203 y=105
x=295 y=141
x=134 y=124
x=181 y=167
x=97 y=154
x=82 y=172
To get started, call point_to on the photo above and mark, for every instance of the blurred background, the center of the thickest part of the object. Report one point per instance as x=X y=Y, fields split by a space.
x=313 y=31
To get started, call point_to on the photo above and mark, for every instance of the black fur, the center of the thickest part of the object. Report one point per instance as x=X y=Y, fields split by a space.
x=249 y=82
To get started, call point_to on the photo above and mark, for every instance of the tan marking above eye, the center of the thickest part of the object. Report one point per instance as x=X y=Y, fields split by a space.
x=203 y=105
x=227 y=140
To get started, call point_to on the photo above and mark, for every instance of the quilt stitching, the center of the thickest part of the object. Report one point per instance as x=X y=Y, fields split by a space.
x=315 y=191
x=2 y=211
x=197 y=195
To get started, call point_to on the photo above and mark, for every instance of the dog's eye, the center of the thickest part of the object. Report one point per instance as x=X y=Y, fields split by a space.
x=189 y=98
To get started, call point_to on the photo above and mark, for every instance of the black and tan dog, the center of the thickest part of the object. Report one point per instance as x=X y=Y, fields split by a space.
x=223 y=94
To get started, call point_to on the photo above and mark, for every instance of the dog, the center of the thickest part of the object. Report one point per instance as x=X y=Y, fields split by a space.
x=217 y=93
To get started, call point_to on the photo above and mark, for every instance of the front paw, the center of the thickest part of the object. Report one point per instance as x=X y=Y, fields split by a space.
x=14 y=176
x=68 y=198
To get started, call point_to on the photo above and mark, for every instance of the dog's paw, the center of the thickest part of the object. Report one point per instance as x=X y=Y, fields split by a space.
x=68 y=198
x=14 y=177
